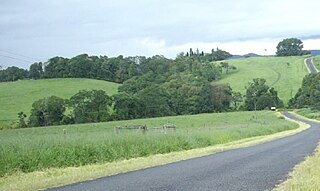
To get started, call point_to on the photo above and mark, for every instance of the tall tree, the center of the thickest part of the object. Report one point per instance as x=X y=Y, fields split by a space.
x=290 y=47
x=47 y=111
x=90 y=106
x=259 y=96
x=36 y=71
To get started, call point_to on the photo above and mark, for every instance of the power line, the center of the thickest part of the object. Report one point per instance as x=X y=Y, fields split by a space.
x=18 y=54
x=13 y=58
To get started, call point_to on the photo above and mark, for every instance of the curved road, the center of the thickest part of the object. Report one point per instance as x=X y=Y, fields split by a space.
x=254 y=168
x=311 y=68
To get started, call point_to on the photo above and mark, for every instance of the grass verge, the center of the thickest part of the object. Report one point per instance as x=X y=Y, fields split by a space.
x=316 y=62
x=305 y=176
x=309 y=113
x=62 y=176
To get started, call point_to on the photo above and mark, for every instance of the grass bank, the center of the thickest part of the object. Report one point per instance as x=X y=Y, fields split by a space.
x=61 y=176
x=285 y=74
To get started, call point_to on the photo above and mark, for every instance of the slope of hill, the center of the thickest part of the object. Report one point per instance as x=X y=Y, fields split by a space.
x=19 y=96
x=285 y=74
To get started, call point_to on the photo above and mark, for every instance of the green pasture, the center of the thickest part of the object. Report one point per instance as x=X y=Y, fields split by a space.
x=285 y=74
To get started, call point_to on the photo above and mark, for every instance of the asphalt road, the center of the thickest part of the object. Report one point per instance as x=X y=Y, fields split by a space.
x=312 y=68
x=255 y=168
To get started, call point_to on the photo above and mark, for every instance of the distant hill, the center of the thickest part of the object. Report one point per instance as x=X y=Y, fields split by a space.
x=249 y=55
x=315 y=52
x=19 y=95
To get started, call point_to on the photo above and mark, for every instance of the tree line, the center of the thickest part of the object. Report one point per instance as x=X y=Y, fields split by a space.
x=151 y=87
x=113 y=69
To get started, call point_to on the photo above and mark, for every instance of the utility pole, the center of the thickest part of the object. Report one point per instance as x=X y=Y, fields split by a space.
x=255 y=104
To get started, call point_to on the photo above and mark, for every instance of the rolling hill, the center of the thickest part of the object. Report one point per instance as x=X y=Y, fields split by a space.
x=285 y=74
x=19 y=96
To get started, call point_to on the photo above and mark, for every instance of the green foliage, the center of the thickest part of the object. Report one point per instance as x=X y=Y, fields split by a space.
x=47 y=111
x=309 y=93
x=127 y=107
x=116 y=69
x=214 y=98
x=13 y=74
x=290 y=47
x=90 y=106
x=36 y=71
x=237 y=98
x=259 y=96
x=32 y=149
x=22 y=122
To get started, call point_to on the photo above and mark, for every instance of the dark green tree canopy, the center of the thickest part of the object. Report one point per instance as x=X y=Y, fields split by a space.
x=259 y=96
x=309 y=93
x=47 y=111
x=290 y=47
x=90 y=106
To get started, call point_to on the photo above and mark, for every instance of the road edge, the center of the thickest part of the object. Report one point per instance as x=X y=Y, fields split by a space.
x=306 y=65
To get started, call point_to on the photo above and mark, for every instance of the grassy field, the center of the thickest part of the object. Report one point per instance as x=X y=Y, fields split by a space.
x=19 y=96
x=27 y=150
x=306 y=175
x=285 y=78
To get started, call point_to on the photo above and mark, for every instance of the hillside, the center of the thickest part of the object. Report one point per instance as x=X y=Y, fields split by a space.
x=19 y=96
x=285 y=78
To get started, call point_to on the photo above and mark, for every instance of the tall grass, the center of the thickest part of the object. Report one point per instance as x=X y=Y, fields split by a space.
x=33 y=149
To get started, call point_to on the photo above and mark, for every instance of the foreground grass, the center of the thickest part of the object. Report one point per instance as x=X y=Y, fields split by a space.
x=285 y=78
x=28 y=150
x=62 y=176
x=306 y=175
x=20 y=95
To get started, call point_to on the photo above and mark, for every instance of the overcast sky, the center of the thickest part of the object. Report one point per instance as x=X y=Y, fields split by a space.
x=36 y=30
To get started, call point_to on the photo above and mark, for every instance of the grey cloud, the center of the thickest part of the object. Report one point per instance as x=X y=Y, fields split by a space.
x=67 y=27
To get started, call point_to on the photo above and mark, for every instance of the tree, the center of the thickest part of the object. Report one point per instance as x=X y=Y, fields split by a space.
x=36 y=71
x=22 y=122
x=309 y=93
x=155 y=101
x=214 y=98
x=236 y=98
x=290 y=47
x=13 y=73
x=259 y=96
x=47 y=111
x=90 y=106
x=127 y=107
